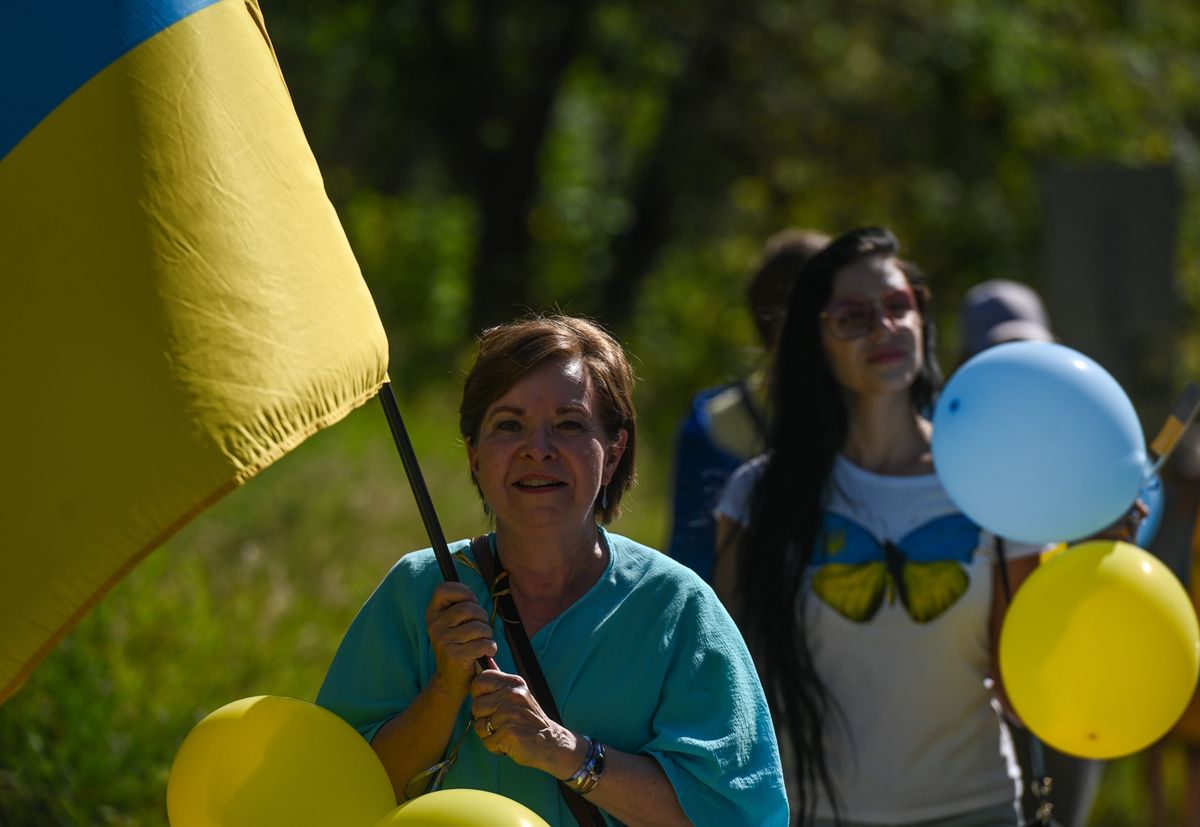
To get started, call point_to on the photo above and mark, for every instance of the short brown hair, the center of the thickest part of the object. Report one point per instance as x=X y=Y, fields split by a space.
x=511 y=351
x=783 y=257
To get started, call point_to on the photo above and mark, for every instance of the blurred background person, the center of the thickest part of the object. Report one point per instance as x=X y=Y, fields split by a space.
x=727 y=424
x=998 y=311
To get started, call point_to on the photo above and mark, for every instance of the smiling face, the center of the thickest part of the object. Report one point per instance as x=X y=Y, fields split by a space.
x=542 y=453
x=886 y=357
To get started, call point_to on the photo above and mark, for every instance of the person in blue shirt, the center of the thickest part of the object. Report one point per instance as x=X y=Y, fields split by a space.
x=662 y=717
x=727 y=424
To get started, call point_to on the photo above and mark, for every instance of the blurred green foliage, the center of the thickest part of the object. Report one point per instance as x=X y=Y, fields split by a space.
x=616 y=159
x=627 y=160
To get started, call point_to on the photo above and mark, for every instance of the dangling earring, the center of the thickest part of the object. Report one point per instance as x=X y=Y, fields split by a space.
x=604 y=497
x=487 y=509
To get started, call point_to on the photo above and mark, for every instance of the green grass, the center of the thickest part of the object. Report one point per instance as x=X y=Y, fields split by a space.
x=252 y=598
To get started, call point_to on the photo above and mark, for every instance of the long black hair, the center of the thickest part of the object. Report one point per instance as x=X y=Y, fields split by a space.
x=809 y=427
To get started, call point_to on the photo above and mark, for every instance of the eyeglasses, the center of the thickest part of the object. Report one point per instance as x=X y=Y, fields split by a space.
x=856 y=316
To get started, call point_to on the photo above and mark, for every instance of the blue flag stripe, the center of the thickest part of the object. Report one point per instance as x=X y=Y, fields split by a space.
x=50 y=49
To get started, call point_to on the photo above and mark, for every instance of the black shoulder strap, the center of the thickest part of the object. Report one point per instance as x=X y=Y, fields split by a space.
x=585 y=812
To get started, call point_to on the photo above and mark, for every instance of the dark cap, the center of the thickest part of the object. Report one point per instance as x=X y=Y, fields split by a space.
x=1002 y=311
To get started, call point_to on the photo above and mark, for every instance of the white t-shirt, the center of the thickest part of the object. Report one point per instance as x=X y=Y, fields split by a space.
x=919 y=736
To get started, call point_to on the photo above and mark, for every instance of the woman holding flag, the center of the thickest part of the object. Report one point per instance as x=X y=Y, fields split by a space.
x=619 y=688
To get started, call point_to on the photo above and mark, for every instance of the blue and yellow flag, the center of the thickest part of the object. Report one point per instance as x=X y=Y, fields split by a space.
x=181 y=306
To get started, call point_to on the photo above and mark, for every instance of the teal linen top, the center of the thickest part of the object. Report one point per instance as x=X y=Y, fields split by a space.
x=647 y=662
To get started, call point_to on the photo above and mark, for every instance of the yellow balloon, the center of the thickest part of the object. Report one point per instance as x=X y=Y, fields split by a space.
x=462 y=808
x=274 y=760
x=1100 y=650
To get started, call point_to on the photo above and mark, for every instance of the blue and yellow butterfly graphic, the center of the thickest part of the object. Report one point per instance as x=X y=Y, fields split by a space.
x=855 y=573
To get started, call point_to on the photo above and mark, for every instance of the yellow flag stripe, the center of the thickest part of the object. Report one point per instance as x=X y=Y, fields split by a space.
x=185 y=309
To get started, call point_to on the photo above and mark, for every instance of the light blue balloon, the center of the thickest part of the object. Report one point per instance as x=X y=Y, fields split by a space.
x=1152 y=495
x=1038 y=443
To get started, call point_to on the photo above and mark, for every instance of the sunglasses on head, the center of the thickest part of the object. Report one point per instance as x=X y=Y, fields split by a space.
x=855 y=316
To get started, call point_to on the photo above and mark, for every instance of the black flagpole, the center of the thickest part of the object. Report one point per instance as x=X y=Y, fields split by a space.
x=417 y=482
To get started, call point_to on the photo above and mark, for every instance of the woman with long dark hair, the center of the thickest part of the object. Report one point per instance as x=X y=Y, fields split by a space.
x=870 y=603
